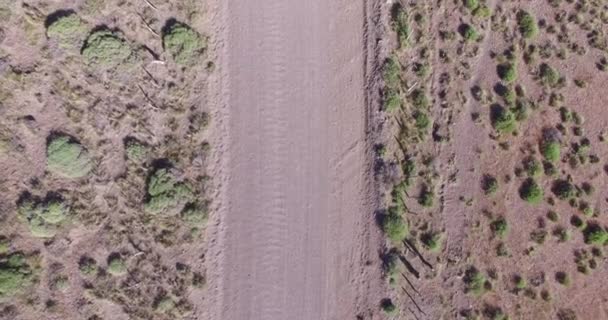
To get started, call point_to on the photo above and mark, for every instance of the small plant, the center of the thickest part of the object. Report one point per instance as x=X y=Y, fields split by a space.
x=44 y=217
x=550 y=150
x=469 y=33
x=389 y=307
x=532 y=167
x=395 y=227
x=401 y=25
x=475 y=282
x=431 y=241
x=107 y=49
x=552 y=216
x=426 y=197
x=87 y=265
x=67 y=28
x=389 y=264
x=422 y=120
x=392 y=101
x=563 y=189
x=499 y=227
x=566 y=314
x=527 y=24
x=196 y=213
x=531 y=192
x=489 y=184
x=503 y=120
x=165 y=193
x=471 y=4
x=507 y=72
x=548 y=76
x=391 y=73
x=519 y=282
x=66 y=157
x=15 y=274
x=116 y=265
x=595 y=234
x=562 y=278
x=482 y=11
x=182 y=43
x=135 y=150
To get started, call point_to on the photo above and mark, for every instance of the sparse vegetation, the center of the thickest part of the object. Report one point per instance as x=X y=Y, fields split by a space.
x=489 y=184
x=527 y=24
x=43 y=216
x=395 y=227
x=507 y=72
x=503 y=119
x=499 y=227
x=475 y=282
x=15 y=274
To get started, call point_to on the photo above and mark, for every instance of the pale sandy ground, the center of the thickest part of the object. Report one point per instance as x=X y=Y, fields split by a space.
x=295 y=235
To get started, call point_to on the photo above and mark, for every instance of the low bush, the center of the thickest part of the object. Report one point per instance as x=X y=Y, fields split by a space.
x=475 y=282
x=469 y=33
x=183 y=43
x=563 y=189
x=500 y=227
x=15 y=274
x=116 y=265
x=507 y=72
x=165 y=193
x=548 y=76
x=531 y=192
x=595 y=234
x=395 y=227
x=67 y=28
x=489 y=184
x=550 y=150
x=471 y=4
x=402 y=28
x=389 y=307
x=107 y=49
x=66 y=157
x=43 y=217
x=196 y=213
x=527 y=24
x=391 y=73
x=503 y=120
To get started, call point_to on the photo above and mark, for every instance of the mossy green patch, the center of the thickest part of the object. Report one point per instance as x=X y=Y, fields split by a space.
x=66 y=157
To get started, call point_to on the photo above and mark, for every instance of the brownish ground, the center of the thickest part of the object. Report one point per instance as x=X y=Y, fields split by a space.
x=454 y=167
x=296 y=228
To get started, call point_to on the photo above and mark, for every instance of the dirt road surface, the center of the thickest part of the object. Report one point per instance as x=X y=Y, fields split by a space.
x=295 y=224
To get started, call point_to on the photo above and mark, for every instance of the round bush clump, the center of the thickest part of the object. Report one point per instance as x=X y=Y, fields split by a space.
x=67 y=157
x=182 y=43
x=166 y=193
x=395 y=227
x=15 y=274
x=503 y=120
x=67 y=29
x=43 y=217
x=527 y=25
x=531 y=192
x=106 y=48
x=550 y=150
x=507 y=72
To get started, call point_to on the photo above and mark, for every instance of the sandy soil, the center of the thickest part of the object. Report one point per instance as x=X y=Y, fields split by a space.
x=295 y=232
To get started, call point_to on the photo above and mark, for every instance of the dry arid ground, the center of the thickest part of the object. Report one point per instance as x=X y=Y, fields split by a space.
x=103 y=139
x=494 y=159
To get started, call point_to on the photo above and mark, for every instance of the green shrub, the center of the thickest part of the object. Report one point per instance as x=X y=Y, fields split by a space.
x=527 y=24
x=15 y=274
x=392 y=101
x=401 y=25
x=503 y=120
x=427 y=197
x=507 y=72
x=395 y=227
x=489 y=184
x=482 y=11
x=43 y=217
x=391 y=73
x=135 y=150
x=66 y=157
x=431 y=241
x=67 y=28
x=182 y=43
x=419 y=99
x=422 y=120
x=531 y=192
x=196 y=213
x=532 y=167
x=166 y=193
x=563 y=189
x=548 y=76
x=471 y=4
x=595 y=234
x=475 y=282
x=107 y=49
x=499 y=227
x=116 y=265
x=389 y=264
x=550 y=150
x=389 y=307
x=469 y=33
x=87 y=265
